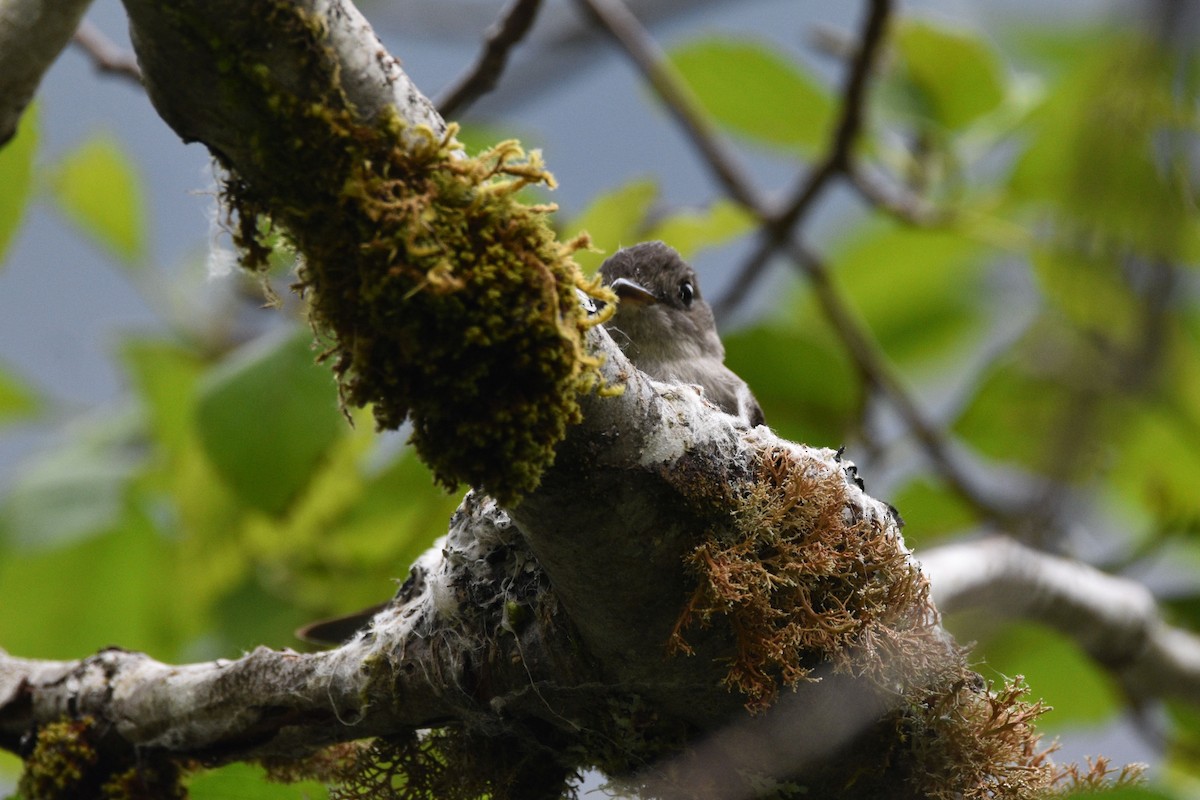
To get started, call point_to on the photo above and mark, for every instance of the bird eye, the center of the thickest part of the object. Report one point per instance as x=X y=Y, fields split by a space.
x=686 y=293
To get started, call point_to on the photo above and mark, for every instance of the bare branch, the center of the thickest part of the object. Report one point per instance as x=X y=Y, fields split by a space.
x=615 y=17
x=481 y=78
x=910 y=208
x=549 y=619
x=230 y=707
x=835 y=162
x=617 y=20
x=32 y=34
x=105 y=55
x=1114 y=620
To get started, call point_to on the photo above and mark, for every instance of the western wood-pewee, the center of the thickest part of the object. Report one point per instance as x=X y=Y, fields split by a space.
x=667 y=330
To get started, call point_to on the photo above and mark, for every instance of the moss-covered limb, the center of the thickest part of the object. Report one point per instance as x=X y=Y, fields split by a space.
x=475 y=641
x=667 y=528
x=445 y=299
x=509 y=632
x=231 y=74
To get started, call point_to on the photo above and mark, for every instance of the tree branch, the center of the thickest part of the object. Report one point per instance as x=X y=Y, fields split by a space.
x=481 y=78
x=32 y=34
x=190 y=88
x=1116 y=621
x=878 y=374
x=778 y=227
x=106 y=57
x=671 y=570
x=835 y=162
x=617 y=20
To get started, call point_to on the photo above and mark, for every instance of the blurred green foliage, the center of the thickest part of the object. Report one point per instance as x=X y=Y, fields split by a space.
x=1051 y=310
x=98 y=188
x=16 y=176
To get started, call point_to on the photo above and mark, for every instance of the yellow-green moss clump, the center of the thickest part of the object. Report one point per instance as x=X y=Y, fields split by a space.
x=457 y=309
x=67 y=764
x=441 y=298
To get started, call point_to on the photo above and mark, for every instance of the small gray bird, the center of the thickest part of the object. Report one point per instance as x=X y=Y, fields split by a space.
x=667 y=330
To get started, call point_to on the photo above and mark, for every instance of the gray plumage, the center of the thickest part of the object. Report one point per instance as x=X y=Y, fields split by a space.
x=666 y=328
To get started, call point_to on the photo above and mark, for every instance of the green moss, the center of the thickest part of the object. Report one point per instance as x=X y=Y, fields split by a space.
x=62 y=762
x=66 y=764
x=453 y=764
x=441 y=297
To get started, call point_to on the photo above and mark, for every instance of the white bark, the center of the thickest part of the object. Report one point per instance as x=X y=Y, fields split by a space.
x=1115 y=620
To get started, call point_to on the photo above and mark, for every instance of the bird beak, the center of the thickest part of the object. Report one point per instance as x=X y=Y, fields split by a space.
x=633 y=294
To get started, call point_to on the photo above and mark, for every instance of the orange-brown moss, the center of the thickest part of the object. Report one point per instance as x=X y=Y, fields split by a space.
x=803 y=581
x=809 y=583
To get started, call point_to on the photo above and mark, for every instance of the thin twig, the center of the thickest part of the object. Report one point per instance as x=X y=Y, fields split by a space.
x=620 y=23
x=908 y=207
x=876 y=372
x=106 y=56
x=836 y=161
x=481 y=78
x=777 y=228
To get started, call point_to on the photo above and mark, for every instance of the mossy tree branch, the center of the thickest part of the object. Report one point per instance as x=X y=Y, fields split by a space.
x=642 y=570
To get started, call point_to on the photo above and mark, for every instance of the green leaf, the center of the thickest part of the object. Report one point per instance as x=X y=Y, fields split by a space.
x=266 y=419
x=614 y=220
x=16 y=176
x=1159 y=463
x=803 y=382
x=955 y=76
x=182 y=481
x=166 y=375
x=118 y=587
x=338 y=559
x=250 y=614
x=249 y=782
x=931 y=512
x=757 y=92
x=1104 y=157
x=1185 y=737
x=98 y=188
x=1011 y=413
x=921 y=291
x=691 y=230
x=76 y=490
x=1089 y=289
x=1054 y=667
x=10 y=770
x=17 y=400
